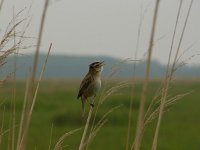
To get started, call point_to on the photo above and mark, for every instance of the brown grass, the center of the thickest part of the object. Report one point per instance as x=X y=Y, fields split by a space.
x=140 y=121
x=169 y=77
x=29 y=98
x=160 y=103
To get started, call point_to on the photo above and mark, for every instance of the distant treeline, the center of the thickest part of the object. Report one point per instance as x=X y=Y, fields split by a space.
x=63 y=66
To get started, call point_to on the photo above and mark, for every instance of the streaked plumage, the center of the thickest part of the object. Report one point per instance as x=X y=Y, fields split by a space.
x=91 y=83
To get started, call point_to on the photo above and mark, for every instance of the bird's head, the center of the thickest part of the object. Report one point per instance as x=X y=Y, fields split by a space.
x=96 y=67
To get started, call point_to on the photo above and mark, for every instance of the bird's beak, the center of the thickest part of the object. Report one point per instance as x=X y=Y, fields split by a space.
x=102 y=63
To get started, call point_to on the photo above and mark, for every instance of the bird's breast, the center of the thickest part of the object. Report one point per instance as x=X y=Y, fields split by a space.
x=97 y=85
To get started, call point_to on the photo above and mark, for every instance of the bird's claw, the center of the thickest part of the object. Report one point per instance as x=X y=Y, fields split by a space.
x=92 y=105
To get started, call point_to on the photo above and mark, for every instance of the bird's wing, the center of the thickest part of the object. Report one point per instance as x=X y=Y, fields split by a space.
x=84 y=85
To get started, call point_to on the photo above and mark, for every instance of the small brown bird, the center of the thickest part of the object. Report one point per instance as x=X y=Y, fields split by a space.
x=91 y=84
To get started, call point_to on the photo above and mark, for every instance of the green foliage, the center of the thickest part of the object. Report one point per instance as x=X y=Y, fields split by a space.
x=57 y=105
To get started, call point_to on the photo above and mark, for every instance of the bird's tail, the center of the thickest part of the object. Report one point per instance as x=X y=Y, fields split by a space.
x=83 y=107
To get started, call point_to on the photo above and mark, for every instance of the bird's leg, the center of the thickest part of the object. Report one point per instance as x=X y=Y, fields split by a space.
x=83 y=105
x=92 y=104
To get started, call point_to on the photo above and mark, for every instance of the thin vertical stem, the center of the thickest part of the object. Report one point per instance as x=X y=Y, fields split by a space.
x=1 y=5
x=2 y=125
x=34 y=98
x=140 y=122
x=50 y=139
x=21 y=126
x=14 y=86
x=30 y=98
x=40 y=33
x=173 y=37
x=181 y=38
x=82 y=143
x=133 y=82
x=167 y=81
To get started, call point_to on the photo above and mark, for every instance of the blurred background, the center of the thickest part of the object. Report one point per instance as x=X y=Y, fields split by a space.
x=117 y=32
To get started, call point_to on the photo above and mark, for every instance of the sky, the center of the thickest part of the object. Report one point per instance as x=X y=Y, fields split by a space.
x=110 y=27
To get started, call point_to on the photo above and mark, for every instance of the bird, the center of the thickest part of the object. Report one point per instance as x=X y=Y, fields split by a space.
x=90 y=84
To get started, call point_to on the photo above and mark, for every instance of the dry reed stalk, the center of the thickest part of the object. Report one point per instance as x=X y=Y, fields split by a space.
x=26 y=126
x=1 y=5
x=130 y=116
x=168 y=80
x=94 y=133
x=82 y=143
x=9 y=44
x=21 y=126
x=156 y=97
x=134 y=79
x=113 y=90
x=39 y=80
x=35 y=61
x=180 y=41
x=173 y=37
x=2 y=126
x=58 y=145
x=14 y=87
x=30 y=99
x=168 y=104
x=10 y=129
x=50 y=139
x=11 y=35
x=98 y=126
x=39 y=40
x=140 y=121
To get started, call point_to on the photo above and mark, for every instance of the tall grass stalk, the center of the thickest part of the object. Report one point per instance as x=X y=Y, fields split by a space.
x=133 y=80
x=170 y=101
x=168 y=78
x=1 y=5
x=14 y=86
x=99 y=125
x=181 y=38
x=50 y=139
x=30 y=98
x=40 y=33
x=83 y=138
x=2 y=126
x=21 y=125
x=173 y=37
x=140 y=121
x=26 y=126
x=58 y=145
x=10 y=43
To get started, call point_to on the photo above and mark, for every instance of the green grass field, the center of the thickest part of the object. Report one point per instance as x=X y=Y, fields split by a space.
x=57 y=105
